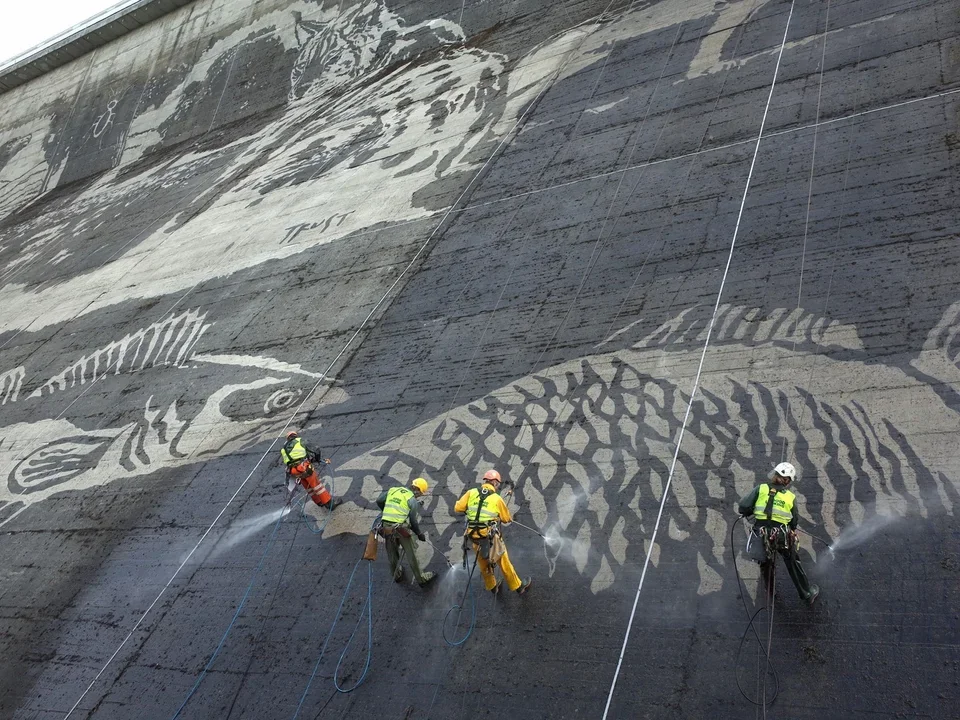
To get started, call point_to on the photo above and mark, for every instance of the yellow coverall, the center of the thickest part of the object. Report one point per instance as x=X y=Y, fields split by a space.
x=495 y=503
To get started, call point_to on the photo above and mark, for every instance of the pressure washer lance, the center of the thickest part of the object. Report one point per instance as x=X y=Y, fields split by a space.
x=439 y=552
x=820 y=539
x=514 y=522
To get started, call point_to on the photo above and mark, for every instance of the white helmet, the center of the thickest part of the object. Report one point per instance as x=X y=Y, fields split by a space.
x=785 y=470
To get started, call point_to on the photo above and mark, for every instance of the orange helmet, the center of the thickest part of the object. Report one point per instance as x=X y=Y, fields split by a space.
x=492 y=476
x=292 y=434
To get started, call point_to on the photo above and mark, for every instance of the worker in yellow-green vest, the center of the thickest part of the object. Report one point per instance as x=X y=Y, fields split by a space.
x=299 y=460
x=398 y=524
x=773 y=509
x=486 y=510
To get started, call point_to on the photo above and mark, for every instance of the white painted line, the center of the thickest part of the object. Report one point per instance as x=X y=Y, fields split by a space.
x=703 y=354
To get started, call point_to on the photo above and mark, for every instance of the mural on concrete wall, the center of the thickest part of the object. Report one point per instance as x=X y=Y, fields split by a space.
x=377 y=110
x=181 y=406
x=377 y=119
x=590 y=441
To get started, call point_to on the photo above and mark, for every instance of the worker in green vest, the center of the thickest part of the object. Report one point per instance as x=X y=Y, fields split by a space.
x=773 y=509
x=299 y=459
x=398 y=524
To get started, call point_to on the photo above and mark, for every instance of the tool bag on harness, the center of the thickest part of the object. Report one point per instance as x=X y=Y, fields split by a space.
x=382 y=530
x=765 y=541
x=386 y=530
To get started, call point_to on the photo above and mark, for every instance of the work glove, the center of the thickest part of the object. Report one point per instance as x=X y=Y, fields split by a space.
x=422 y=537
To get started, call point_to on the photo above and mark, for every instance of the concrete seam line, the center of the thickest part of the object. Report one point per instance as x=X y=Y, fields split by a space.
x=703 y=354
x=711 y=149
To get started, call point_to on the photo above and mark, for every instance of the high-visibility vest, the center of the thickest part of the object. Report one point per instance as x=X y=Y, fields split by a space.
x=781 y=509
x=396 y=509
x=293 y=451
x=488 y=511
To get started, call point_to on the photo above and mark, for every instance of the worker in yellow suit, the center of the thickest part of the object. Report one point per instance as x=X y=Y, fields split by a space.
x=485 y=511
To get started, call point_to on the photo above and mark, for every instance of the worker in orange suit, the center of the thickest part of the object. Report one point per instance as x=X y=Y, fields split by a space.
x=299 y=460
x=485 y=511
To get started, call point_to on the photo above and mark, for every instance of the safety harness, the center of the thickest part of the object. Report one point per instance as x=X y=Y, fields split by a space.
x=771 y=538
x=771 y=494
x=474 y=533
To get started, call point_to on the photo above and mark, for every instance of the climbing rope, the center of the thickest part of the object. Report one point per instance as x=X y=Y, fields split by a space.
x=751 y=619
x=368 y=606
x=459 y=608
x=253 y=579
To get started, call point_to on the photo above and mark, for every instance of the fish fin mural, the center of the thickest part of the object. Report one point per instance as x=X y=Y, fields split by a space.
x=168 y=342
x=940 y=355
x=186 y=413
x=57 y=462
x=10 y=383
x=590 y=441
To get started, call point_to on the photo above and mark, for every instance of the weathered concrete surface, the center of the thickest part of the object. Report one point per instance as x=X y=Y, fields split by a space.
x=442 y=238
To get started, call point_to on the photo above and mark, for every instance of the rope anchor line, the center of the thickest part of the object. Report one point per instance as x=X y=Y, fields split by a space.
x=766 y=669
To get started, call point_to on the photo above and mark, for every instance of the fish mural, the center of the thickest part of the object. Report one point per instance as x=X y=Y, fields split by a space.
x=178 y=406
x=589 y=441
x=374 y=107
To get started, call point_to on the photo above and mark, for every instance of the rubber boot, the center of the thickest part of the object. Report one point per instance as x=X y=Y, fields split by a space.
x=399 y=574
x=496 y=588
x=426 y=578
x=333 y=503
x=524 y=586
x=814 y=594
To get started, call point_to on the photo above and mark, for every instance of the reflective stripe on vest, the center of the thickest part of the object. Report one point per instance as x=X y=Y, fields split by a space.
x=489 y=511
x=396 y=509
x=782 y=508
x=293 y=451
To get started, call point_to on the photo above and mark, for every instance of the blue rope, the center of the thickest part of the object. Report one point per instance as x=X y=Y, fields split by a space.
x=367 y=604
x=307 y=520
x=473 y=619
x=273 y=536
